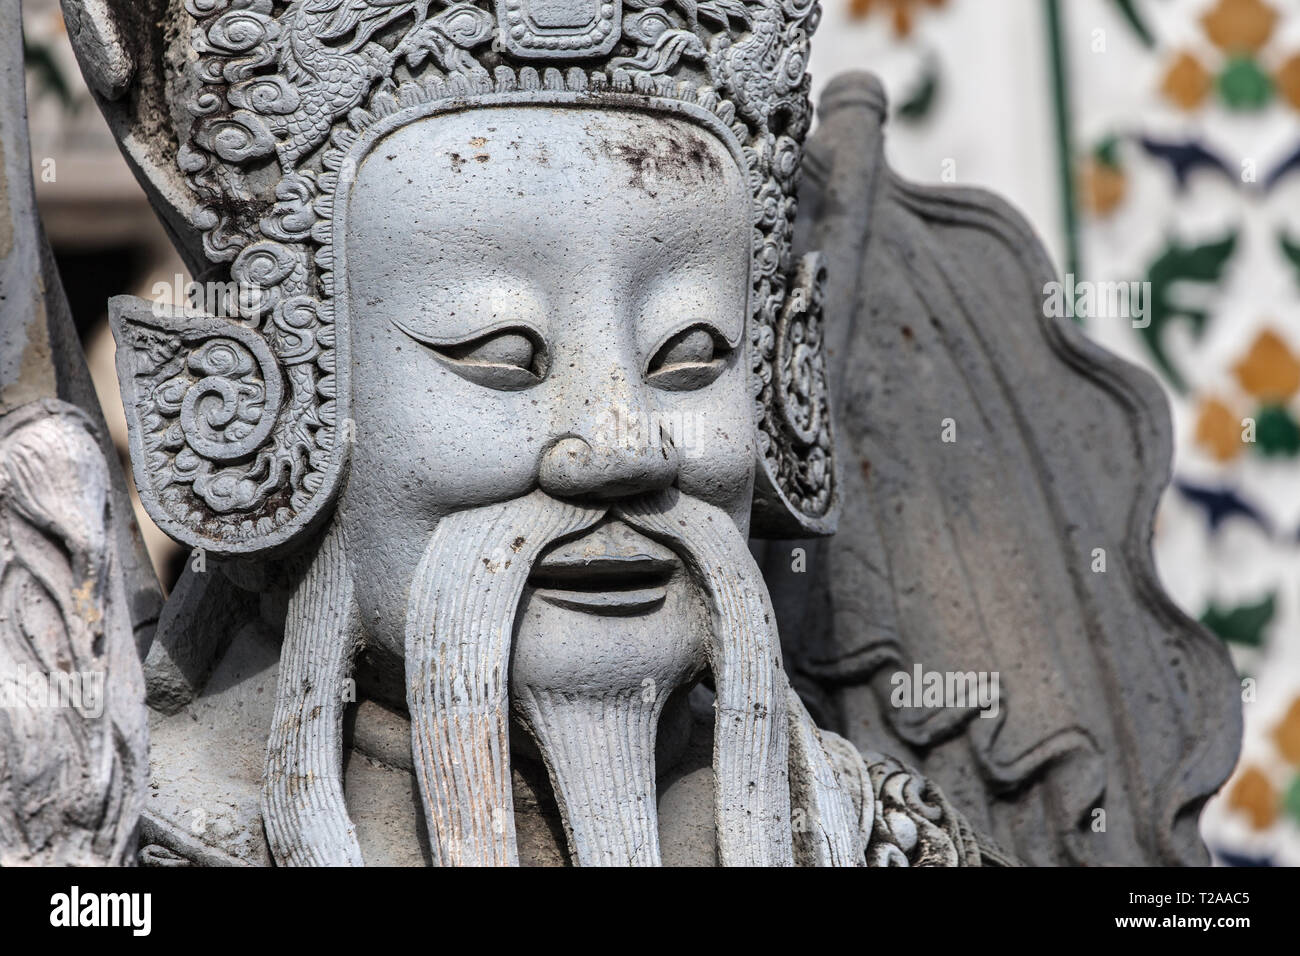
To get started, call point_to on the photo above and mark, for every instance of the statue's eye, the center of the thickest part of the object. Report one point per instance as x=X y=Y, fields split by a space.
x=508 y=359
x=689 y=360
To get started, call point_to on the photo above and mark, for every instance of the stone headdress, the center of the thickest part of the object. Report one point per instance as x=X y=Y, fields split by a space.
x=241 y=424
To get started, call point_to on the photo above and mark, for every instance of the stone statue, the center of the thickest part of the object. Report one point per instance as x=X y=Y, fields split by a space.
x=75 y=582
x=517 y=343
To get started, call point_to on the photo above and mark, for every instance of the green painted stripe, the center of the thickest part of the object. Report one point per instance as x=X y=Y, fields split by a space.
x=1062 y=108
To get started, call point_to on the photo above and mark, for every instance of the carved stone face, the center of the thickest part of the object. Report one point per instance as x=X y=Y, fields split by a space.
x=543 y=297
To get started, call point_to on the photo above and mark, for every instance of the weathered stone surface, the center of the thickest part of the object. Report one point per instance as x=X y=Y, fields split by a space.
x=78 y=598
x=73 y=742
x=40 y=354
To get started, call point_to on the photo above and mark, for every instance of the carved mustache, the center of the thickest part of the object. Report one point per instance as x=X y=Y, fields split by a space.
x=459 y=624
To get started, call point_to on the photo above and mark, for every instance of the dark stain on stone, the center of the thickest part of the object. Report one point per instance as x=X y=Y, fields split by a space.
x=685 y=157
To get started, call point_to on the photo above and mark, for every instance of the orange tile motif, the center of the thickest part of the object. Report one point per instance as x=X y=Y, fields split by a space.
x=1103 y=187
x=1255 y=796
x=1287 y=79
x=1240 y=26
x=1187 y=83
x=1270 y=371
x=903 y=11
x=1218 y=430
x=1287 y=734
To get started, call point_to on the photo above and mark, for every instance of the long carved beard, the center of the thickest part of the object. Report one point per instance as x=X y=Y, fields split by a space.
x=463 y=603
x=458 y=624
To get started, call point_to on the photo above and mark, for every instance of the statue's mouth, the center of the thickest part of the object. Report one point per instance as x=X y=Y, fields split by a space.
x=612 y=569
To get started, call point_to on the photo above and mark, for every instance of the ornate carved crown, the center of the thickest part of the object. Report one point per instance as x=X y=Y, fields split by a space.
x=240 y=437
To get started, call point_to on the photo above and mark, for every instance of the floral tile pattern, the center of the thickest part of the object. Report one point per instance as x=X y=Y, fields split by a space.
x=1188 y=181
x=1180 y=121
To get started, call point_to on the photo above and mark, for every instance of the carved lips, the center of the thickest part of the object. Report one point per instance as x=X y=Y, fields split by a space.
x=612 y=569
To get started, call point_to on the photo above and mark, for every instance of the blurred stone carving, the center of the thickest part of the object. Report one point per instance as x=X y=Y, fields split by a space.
x=73 y=738
x=77 y=594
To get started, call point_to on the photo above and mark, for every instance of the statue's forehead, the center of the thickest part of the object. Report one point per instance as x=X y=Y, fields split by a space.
x=522 y=205
x=615 y=148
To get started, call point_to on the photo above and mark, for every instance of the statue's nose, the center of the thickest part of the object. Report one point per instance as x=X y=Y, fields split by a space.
x=603 y=466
